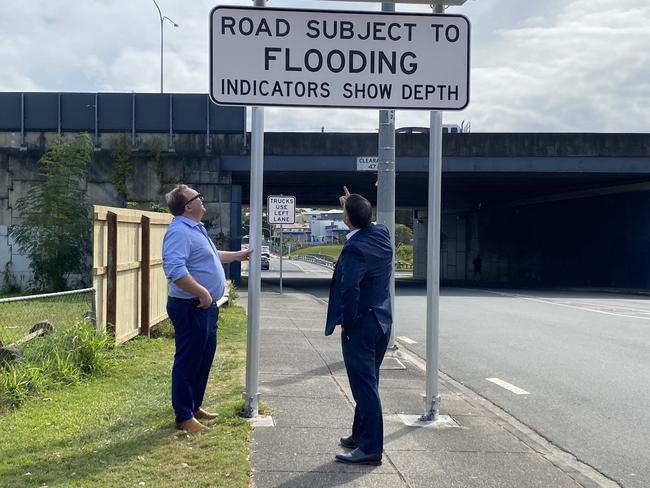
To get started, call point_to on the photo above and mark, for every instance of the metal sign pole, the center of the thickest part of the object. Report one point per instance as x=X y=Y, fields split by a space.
x=386 y=185
x=281 y=253
x=251 y=395
x=433 y=261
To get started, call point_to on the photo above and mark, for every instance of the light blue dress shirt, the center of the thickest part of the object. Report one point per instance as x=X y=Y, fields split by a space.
x=187 y=249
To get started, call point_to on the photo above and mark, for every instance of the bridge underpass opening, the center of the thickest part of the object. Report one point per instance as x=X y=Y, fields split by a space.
x=514 y=229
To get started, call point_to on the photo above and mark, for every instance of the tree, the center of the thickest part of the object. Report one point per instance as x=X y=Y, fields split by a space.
x=55 y=228
x=403 y=234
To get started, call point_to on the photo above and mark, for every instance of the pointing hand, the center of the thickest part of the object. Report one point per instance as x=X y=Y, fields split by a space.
x=344 y=197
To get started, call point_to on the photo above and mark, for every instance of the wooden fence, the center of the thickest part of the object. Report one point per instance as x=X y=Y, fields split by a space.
x=127 y=270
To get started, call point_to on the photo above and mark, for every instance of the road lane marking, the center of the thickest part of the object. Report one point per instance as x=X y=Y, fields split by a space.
x=406 y=340
x=560 y=304
x=297 y=266
x=510 y=387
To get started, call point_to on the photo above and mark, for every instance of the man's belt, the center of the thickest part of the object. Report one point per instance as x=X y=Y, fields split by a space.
x=183 y=300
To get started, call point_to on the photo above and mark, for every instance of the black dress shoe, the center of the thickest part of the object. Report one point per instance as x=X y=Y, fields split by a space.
x=348 y=443
x=359 y=457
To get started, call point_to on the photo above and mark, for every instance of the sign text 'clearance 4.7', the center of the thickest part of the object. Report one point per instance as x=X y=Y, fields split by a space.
x=325 y=58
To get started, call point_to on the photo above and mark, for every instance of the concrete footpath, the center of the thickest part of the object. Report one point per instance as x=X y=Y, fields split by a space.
x=304 y=384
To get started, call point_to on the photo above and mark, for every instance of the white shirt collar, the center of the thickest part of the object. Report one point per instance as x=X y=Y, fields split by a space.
x=351 y=233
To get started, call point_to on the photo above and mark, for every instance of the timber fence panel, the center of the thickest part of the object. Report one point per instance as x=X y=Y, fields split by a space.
x=100 y=240
x=119 y=272
x=157 y=279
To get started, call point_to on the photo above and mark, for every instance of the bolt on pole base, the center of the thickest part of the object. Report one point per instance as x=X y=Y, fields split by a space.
x=392 y=349
x=251 y=405
x=432 y=410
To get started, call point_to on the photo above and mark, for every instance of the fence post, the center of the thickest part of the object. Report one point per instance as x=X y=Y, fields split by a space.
x=111 y=281
x=145 y=276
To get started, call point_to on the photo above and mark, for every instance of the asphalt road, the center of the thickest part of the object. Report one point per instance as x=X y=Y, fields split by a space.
x=582 y=360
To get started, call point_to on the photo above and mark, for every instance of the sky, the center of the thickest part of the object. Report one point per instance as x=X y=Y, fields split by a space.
x=536 y=66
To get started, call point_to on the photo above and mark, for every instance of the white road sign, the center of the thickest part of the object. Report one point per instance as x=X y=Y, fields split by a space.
x=328 y=58
x=282 y=210
x=367 y=163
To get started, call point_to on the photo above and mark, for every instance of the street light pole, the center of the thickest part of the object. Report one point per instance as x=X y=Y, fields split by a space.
x=162 y=33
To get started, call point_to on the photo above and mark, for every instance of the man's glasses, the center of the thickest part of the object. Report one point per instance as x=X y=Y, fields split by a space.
x=198 y=195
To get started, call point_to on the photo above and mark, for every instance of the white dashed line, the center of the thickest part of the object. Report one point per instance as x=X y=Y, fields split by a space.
x=576 y=307
x=406 y=340
x=504 y=384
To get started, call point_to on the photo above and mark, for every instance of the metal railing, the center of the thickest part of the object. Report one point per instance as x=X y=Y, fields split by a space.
x=316 y=259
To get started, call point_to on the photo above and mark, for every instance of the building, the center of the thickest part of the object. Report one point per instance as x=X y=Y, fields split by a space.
x=326 y=226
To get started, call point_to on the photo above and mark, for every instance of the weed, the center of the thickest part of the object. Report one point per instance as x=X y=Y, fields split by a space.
x=62 y=358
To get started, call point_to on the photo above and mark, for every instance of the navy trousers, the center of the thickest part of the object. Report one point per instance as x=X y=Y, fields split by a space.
x=196 y=344
x=364 y=346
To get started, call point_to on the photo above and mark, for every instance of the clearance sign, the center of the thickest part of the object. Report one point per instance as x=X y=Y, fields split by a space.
x=325 y=58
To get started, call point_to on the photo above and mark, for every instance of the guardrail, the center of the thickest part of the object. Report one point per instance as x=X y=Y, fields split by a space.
x=311 y=258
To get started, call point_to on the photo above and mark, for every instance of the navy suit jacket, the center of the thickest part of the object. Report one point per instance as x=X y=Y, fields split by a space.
x=361 y=281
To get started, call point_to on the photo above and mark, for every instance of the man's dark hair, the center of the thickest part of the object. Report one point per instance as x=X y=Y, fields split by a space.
x=359 y=210
x=176 y=200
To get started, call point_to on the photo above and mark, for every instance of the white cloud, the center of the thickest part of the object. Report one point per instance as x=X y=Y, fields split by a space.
x=572 y=65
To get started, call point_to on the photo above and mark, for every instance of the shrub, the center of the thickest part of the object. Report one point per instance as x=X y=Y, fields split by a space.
x=17 y=382
x=404 y=257
x=403 y=235
x=55 y=229
x=64 y=357
x=233 y=295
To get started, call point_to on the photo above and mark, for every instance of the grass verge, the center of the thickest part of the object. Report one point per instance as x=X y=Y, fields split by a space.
x=118 y=430
x=331 y=250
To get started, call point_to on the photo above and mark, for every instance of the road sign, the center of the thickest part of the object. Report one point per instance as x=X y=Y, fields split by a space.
x=367 y=163
x=327 y=58
x=421 y=2
x=281 y=209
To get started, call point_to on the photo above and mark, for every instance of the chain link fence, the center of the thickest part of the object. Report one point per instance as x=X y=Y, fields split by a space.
x=20 y=316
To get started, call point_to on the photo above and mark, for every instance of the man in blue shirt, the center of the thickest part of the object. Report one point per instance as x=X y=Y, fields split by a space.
x=193 y=266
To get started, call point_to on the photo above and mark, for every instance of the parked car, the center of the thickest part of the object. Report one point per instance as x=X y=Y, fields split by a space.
x=266 y=251
x=266 y=262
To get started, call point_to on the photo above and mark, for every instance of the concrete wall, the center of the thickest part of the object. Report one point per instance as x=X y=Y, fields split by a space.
x=152 y=169
x=455 y=239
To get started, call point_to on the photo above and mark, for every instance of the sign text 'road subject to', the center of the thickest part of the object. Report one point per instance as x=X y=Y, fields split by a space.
x=292 y=57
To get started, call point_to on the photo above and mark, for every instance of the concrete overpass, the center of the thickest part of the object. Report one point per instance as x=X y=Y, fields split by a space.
x=532 y=209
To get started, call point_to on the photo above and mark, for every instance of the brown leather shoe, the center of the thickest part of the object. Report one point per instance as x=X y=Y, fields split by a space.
x=190 y=425
x=202 y=414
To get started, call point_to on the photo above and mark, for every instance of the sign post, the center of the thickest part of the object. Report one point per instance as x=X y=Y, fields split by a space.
x=327 y=58
x=281 y=210
x=251 y=395
x=434 y=206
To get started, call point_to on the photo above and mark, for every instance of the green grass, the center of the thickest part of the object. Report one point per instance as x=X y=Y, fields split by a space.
x=403 y=254
x=66 y=356
x=118 y=430
x=331 y=250
x=16 y=318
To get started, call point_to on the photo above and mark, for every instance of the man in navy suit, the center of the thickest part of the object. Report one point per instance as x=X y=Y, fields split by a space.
x=359 y=302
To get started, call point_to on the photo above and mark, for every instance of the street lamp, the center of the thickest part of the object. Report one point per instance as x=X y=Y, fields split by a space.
x=162 y=23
